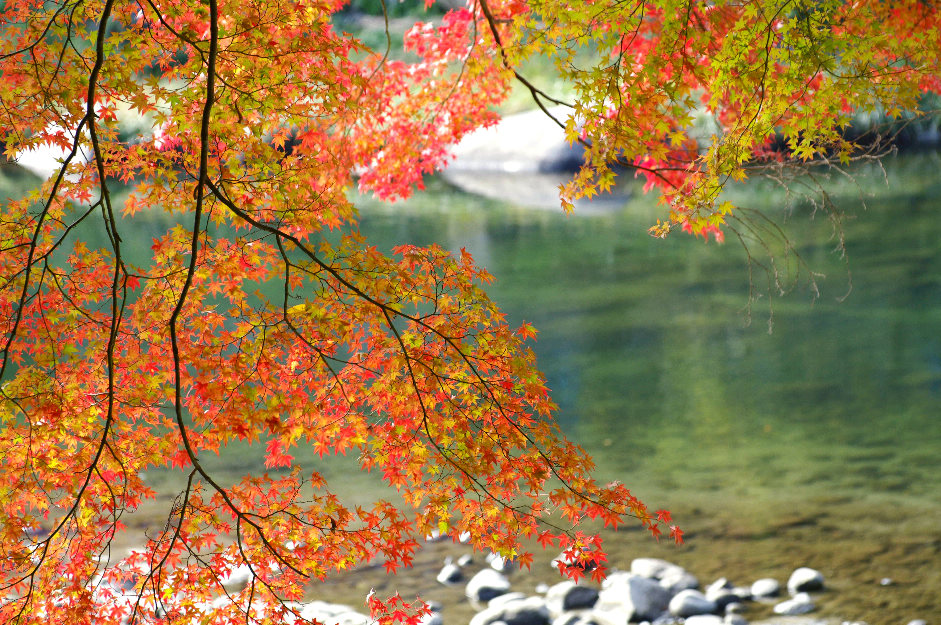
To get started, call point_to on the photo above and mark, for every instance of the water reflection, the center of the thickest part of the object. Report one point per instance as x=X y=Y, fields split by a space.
x=656 y=371
x=647 y=348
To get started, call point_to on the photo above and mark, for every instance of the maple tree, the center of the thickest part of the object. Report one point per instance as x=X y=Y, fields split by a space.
x=263 y=116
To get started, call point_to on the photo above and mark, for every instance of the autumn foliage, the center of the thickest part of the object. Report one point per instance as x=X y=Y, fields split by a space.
x=262 y=116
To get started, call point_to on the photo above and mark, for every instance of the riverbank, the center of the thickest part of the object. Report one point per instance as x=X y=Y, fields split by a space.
x=880 y=558
x=880 y=564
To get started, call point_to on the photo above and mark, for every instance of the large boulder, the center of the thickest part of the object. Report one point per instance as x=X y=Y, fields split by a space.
x=644 y=598
x=529 y=142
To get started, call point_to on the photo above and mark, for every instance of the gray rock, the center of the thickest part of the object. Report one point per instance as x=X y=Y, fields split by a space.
x=723 y=598
x=804 y=579
x=514 y=611
x=611 y=615
x=641 y=597
x=743 y=592
x=237 y=578
x=465 y=560
x=704 y=619
x=432 y=618
x=691 y=602
x=654 y=567
x=321 y=610
x=720 y=586
x=580 y=598
x=505 y=598
x=499 y=563
x=571 y=618
x=524 y=142
x=735 y=619
x=765 y=587
x=345 y=618
x=678 y=579
x=486 y=585
x=736 y=607
x=566 y=596
x=796 y=620
x=555 y=597
x=450 y=574
x=671 y=576
x=801 y=603
x=918 y=621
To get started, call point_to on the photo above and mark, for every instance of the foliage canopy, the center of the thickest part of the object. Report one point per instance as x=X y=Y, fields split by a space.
x=259 y=113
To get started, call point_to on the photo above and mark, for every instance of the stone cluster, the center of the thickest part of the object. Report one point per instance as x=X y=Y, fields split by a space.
x=653 y=591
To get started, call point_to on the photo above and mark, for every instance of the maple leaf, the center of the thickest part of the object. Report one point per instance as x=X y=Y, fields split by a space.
x=275 y=455
x=677 y=534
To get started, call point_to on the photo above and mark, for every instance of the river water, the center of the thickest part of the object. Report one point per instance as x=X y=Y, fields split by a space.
x=817 y=443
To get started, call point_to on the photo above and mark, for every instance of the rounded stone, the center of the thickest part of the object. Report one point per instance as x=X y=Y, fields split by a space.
x=690 y=603
x=499 y=563
x=580 y=598
x=644 y=598
x=569 y=618
x=718 y=587
x=722 y=598
x=678 y=579
x=804 y=579
x=516 y=610
x=486 y=585
x=432 y=618
x=654 y=567
x=801 y=603
x=450 y=574
x=765 y=587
